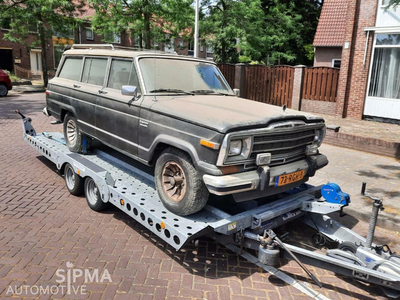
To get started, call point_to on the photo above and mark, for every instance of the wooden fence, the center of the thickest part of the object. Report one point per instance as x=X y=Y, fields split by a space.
x=272 y=85
x=228 y=71
x=320 y=83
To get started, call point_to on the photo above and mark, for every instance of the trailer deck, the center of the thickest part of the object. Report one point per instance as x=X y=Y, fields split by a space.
x=132 y=190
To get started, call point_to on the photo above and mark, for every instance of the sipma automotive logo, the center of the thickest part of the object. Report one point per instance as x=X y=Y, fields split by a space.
x=66 y=283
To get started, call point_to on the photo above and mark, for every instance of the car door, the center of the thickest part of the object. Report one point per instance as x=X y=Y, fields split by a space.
x=117 y=116
x=87 y=90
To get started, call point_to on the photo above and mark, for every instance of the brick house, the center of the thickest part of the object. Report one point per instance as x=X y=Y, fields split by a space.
x=20 y=57
x=367 y=38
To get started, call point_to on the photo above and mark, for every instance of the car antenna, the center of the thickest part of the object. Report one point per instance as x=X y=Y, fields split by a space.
x=284 y=107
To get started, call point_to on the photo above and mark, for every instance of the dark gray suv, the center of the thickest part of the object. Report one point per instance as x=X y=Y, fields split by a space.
x=180 y=115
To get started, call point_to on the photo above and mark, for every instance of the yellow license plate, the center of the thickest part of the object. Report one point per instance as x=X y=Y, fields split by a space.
x=289 y=178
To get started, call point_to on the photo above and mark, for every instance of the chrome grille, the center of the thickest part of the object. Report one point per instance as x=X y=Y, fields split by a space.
x=284 y=147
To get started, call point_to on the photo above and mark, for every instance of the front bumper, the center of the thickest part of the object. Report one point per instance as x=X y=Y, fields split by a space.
x=263 y=178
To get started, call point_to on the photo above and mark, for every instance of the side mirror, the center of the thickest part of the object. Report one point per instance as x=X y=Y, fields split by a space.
x=129 y=90
x=237 y=92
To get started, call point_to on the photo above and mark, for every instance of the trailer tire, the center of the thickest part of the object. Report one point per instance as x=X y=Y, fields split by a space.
x=72 y=134
x=73 y=181
x=348 y=247
x=92 y=195
x=188 y=191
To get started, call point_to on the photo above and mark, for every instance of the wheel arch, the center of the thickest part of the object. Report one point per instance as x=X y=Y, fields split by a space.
x=163 y=142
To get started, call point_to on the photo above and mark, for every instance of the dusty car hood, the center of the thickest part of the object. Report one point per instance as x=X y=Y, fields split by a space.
x=224 y=113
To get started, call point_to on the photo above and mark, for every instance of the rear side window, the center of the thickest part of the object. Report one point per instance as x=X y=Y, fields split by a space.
x=94 y=70
x=71 y=68
x=122 y=72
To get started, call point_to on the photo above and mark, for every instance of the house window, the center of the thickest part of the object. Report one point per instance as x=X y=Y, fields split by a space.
x=89 y=34
x=385 y=71
x=136 y=41
x=58 y=51
x=169 y=45
x=336 y=63
x=191 y=48
x=385 y=2
x=201 y=47
x=114 y=38
x=181 y=43
x=33 y=27
x=210 y=51
x=5 y=23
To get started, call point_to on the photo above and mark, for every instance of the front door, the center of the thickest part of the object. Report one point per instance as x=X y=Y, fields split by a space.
x=117 y=116
x=36 y=62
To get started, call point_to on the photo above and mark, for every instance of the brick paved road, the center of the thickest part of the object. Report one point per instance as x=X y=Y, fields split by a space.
x=43 y=227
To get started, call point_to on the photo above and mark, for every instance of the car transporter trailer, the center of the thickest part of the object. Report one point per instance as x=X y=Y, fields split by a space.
x=112 y=180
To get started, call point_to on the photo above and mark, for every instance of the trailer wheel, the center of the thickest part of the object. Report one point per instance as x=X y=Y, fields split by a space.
x=73 y=181
x=348 y=247
x=72 y=134
x=178 y=183
x=92 y=194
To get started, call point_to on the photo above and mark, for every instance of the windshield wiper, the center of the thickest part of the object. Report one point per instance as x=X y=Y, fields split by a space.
x=209 y=92
x=171 y=91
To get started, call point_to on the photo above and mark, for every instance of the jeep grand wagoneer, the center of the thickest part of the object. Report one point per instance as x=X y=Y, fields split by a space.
x=180 y=115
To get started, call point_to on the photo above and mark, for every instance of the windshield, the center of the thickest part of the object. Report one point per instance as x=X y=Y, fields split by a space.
x=163 y=75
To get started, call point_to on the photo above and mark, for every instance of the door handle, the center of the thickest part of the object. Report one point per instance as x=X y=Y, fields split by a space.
x=102 y=92
x=76 y=86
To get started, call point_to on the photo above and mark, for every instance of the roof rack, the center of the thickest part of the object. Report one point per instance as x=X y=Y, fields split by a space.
x=113 y=47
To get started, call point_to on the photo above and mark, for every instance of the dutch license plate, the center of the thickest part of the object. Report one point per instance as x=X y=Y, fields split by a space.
x=289 y=178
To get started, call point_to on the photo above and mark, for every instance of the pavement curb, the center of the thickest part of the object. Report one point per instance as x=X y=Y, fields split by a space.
x=360 y=143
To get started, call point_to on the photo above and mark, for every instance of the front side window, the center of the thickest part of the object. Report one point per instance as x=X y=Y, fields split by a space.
x=122 y=72
x=160 y=74
x=94 y=70
x=385 y=72
x=71 y=68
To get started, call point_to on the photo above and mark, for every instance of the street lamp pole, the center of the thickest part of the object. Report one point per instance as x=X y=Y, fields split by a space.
x=196 y=30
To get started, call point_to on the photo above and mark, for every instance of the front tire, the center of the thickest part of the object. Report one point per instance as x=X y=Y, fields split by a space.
x=179 y=184
x=3 y=90
x=72 y=134
x=92 y=195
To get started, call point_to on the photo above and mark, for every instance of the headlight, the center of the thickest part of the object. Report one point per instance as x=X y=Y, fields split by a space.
x=235 y=147
x=239 y=149
x=319 y=135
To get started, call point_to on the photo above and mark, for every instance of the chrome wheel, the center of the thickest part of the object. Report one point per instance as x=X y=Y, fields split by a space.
x=174 y=181
x=92 y=192
x=3 y=90
x=71 y=132
x=70 y=178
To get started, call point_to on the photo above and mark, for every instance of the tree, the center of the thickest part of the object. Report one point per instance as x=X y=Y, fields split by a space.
x=229 y=25
x=148 y=19
x=43 y=16
x=271 y=31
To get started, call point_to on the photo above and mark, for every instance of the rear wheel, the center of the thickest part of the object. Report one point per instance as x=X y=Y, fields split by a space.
x=179 y=184
x=72 y=134
x=3 y=90
x=73 y=181
x=92 y=195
